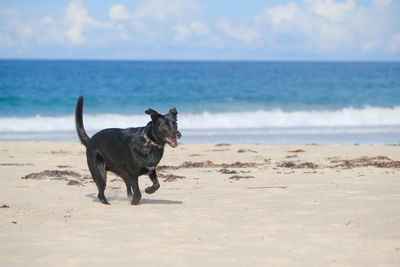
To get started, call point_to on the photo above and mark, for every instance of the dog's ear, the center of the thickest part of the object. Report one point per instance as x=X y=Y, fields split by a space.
x=154 y=114
x=173 y=112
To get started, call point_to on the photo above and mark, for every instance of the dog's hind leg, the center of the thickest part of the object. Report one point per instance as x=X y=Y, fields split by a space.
x=134 y=182
x=128 y=187
x=98 y=171
x=153 y=178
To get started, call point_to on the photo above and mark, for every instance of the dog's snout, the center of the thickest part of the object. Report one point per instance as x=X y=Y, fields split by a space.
x=178 y=135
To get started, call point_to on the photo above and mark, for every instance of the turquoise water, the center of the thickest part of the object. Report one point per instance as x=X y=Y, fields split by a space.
x=238 y=102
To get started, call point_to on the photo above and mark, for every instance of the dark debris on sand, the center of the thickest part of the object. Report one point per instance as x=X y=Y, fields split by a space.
x=170 y=177
x=16 y=164
x=202 y=164
x=74 y=182
x=59 y=152
x=303 y=165
x=297 y=151
x=224 y=168
x=62 y=175
x=378 y=162
x=223 y=145
x=161 y=168
x=237 y=177
x=226 y=171
x=238 y=164
x=246 y=150
x=63 y=166
x=210 y=164
x=4 y=206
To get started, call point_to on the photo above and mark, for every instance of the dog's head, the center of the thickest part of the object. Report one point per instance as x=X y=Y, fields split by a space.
x=165 y=126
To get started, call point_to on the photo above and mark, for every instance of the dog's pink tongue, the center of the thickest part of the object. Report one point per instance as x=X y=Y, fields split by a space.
x=171 y=141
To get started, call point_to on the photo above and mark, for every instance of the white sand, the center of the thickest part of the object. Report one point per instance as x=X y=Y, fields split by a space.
x=324 y=216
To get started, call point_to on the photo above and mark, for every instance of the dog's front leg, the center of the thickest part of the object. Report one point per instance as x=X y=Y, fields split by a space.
x=153 y=178
x=134 y=182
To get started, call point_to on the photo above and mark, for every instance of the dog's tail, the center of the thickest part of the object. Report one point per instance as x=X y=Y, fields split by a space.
x=79 y=123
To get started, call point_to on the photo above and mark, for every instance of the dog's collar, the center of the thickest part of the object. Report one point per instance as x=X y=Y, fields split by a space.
x=149 y=141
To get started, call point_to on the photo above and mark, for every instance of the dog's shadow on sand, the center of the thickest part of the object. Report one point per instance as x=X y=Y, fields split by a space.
x=160 y=201
x=94 y=198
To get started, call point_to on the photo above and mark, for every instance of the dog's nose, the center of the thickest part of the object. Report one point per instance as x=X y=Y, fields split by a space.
x=178 y=135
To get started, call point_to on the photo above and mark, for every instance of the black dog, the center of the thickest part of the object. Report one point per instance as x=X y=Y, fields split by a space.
x=129 y=152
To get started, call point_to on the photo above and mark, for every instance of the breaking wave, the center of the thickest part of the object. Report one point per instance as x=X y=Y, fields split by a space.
x=207 y=121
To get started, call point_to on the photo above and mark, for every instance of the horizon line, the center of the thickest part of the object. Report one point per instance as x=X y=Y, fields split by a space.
x=207 y=60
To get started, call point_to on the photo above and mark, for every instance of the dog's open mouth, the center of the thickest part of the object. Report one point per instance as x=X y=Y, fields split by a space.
x=171 y=141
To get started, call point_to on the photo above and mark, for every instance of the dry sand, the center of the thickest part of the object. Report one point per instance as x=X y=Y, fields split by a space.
x=304 y=208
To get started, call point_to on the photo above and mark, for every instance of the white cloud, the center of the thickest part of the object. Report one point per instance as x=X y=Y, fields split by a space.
x=182 y=32
x=370 y=45
x=75 y=18
x=199 y=28
x=122 y=33
x=52 y=35
x=77 y=21
x=119 y=12
x=331 y=37
x=16 y=33
x=155 y=21
x=383 y=3
x=279 y=14
x=5 y=41
x=394 y=45
x=326 y=26
x=193 y=29
x=164 y=10
x=331 y=9
x=22 y=29
x=242 y=33
x=47 y=20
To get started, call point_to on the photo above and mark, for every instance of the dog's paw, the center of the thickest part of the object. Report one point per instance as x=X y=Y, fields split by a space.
x=104 y=201
x=152 y=189
x=135 y=201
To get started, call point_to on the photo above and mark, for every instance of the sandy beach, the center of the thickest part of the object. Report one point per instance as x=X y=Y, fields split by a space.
x=218 y=205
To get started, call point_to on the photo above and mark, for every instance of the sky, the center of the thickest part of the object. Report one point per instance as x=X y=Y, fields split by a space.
x=346 y=30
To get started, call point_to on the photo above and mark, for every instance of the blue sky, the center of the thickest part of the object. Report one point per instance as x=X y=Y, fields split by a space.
x=201 y=30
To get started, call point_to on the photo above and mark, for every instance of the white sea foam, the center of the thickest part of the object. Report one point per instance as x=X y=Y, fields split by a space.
x=207 y=123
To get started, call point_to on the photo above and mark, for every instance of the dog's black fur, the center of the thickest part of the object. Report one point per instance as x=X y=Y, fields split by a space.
x=129 y=152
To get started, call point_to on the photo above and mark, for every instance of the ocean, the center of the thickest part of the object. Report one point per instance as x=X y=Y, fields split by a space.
x=218 y=102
